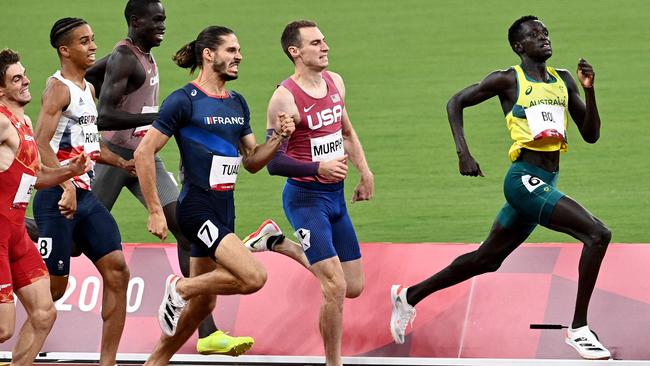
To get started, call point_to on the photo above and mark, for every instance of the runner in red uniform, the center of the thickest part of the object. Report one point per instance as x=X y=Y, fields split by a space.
x=22 y=270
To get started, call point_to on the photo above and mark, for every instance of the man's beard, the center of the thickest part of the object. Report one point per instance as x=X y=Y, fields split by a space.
x=220 y=69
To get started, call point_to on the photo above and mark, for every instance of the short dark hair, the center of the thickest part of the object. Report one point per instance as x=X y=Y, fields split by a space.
x=514 y=32
x=137 y=8
x=291 y=35
x=7 y=58
x=190 y=56
x=61 y=30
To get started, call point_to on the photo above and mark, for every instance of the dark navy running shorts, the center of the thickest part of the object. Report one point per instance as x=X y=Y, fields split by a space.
x=92 y=229
x=205 y=217
x=320 y=219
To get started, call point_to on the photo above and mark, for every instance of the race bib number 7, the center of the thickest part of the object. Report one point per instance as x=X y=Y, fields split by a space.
x=546 y=121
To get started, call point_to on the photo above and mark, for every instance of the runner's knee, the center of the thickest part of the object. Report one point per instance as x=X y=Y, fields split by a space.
x=476 y=264
x=334 y=288
x=599 y=237
x=6 y=331
x=354 y=289
x=43 y=319
x=254 y=280
x=117 y=275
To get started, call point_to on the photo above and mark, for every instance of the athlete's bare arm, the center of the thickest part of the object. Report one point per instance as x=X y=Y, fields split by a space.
x=256 y=156
x=108 y=157
x=585 y=116
x=501 y=83
x=7 y=149
x=56 y=99
x=152 y=142
x=123 y=74
x=282 y=100
x=50 y=177
x=354 y=150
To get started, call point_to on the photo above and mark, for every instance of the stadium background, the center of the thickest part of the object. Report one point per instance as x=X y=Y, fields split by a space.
x=401 y=61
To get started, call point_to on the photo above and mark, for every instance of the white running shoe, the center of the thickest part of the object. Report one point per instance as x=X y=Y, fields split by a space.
x=585 y=342
x=171 y=306
x=403 y=313
x=264 y=238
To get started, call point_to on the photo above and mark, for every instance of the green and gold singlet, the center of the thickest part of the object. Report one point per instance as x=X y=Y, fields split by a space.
x=538 y=120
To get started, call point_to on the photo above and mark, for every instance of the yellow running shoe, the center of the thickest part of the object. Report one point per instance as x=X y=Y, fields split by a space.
x=220 y=343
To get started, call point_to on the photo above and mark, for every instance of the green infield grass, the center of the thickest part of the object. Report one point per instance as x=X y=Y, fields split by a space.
x=401 y=61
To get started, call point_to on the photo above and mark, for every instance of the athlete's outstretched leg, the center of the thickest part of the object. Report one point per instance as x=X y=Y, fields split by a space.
x=194 y=312
x=571 y=218
x=501 y=241
x=211 y=339
x=40 y=317
x=239 y=273
x=269 y=237
x=115 y=277
x=332 y=281
x=488 y=257
x=207 y=326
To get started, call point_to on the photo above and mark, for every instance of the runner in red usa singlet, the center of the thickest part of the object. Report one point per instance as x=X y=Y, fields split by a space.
x=318 y=137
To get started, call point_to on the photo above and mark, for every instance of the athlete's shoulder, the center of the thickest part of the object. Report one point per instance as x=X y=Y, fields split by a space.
x=236 y=95
x=123 y=58
x=56 y=88
x=182 y=95
x=4 y=122
x=510 y=72
x=566 y=76
x=564 y=73
x=335 y=76
x=282 y=97
x=500 y=79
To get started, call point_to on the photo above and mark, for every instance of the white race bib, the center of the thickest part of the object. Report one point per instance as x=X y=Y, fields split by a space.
x=91 y=139
x=546 y=121
x=25 y=189
x=327 y=147
x=223 y=172
x=142 y=130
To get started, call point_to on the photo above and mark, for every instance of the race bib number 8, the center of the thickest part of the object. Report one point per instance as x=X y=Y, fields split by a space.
x=223 y=173
x=25 y=189
x=328 y=147
x=546 y=121
x=44 y=247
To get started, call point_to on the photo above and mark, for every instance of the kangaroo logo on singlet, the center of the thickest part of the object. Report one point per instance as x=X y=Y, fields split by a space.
x=304 y=237
x=325 y=117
